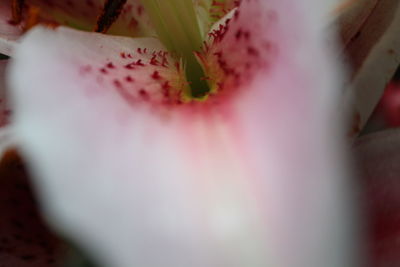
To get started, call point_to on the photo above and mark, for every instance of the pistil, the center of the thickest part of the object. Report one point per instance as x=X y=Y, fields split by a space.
x=177 y=27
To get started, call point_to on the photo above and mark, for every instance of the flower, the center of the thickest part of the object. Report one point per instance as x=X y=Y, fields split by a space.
x=194 y=177
x=130 y=164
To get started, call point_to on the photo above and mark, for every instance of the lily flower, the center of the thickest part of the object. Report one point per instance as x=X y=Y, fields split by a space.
x=189 y=149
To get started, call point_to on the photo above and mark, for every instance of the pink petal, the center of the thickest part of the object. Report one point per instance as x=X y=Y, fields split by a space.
x=244 y=179
x=378 y=157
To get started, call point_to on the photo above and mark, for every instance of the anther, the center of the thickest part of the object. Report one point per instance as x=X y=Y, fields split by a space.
x=110 y=13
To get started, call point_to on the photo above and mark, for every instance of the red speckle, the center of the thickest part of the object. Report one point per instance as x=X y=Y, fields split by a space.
x=129 y=79
x=238 y=34
x=252 y=51
x=154 y=61
x=166 y=85
x=139 y=63
x=123 y=55
x=110 y=65
x=103 y=70
x=156 y=75
x=130 y=66
x=165 y=89
x=144 y=95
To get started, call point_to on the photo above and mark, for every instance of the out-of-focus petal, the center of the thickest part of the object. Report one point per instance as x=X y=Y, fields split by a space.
x=374 y=55
x=351 y=15
x=378 y=157
x=248 y=178
x=24 y=238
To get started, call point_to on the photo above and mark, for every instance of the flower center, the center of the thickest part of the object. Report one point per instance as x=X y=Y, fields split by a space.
x=178 y=29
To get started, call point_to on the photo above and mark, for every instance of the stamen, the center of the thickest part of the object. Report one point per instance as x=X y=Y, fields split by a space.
x=110 y=13
x=16 y=7
x=177 y=27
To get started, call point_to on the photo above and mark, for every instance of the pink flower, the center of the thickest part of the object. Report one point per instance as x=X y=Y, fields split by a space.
x=137 y=170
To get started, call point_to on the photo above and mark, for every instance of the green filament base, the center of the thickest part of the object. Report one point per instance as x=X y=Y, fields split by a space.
x=178 y=29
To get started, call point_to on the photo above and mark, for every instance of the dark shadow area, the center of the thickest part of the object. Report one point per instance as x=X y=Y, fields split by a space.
x=25 y=240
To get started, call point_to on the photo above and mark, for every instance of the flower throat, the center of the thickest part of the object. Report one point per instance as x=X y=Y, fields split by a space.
x=176 y=24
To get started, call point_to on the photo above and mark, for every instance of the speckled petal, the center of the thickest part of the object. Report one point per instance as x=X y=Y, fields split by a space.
x=244 y=178
x=374 y=55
